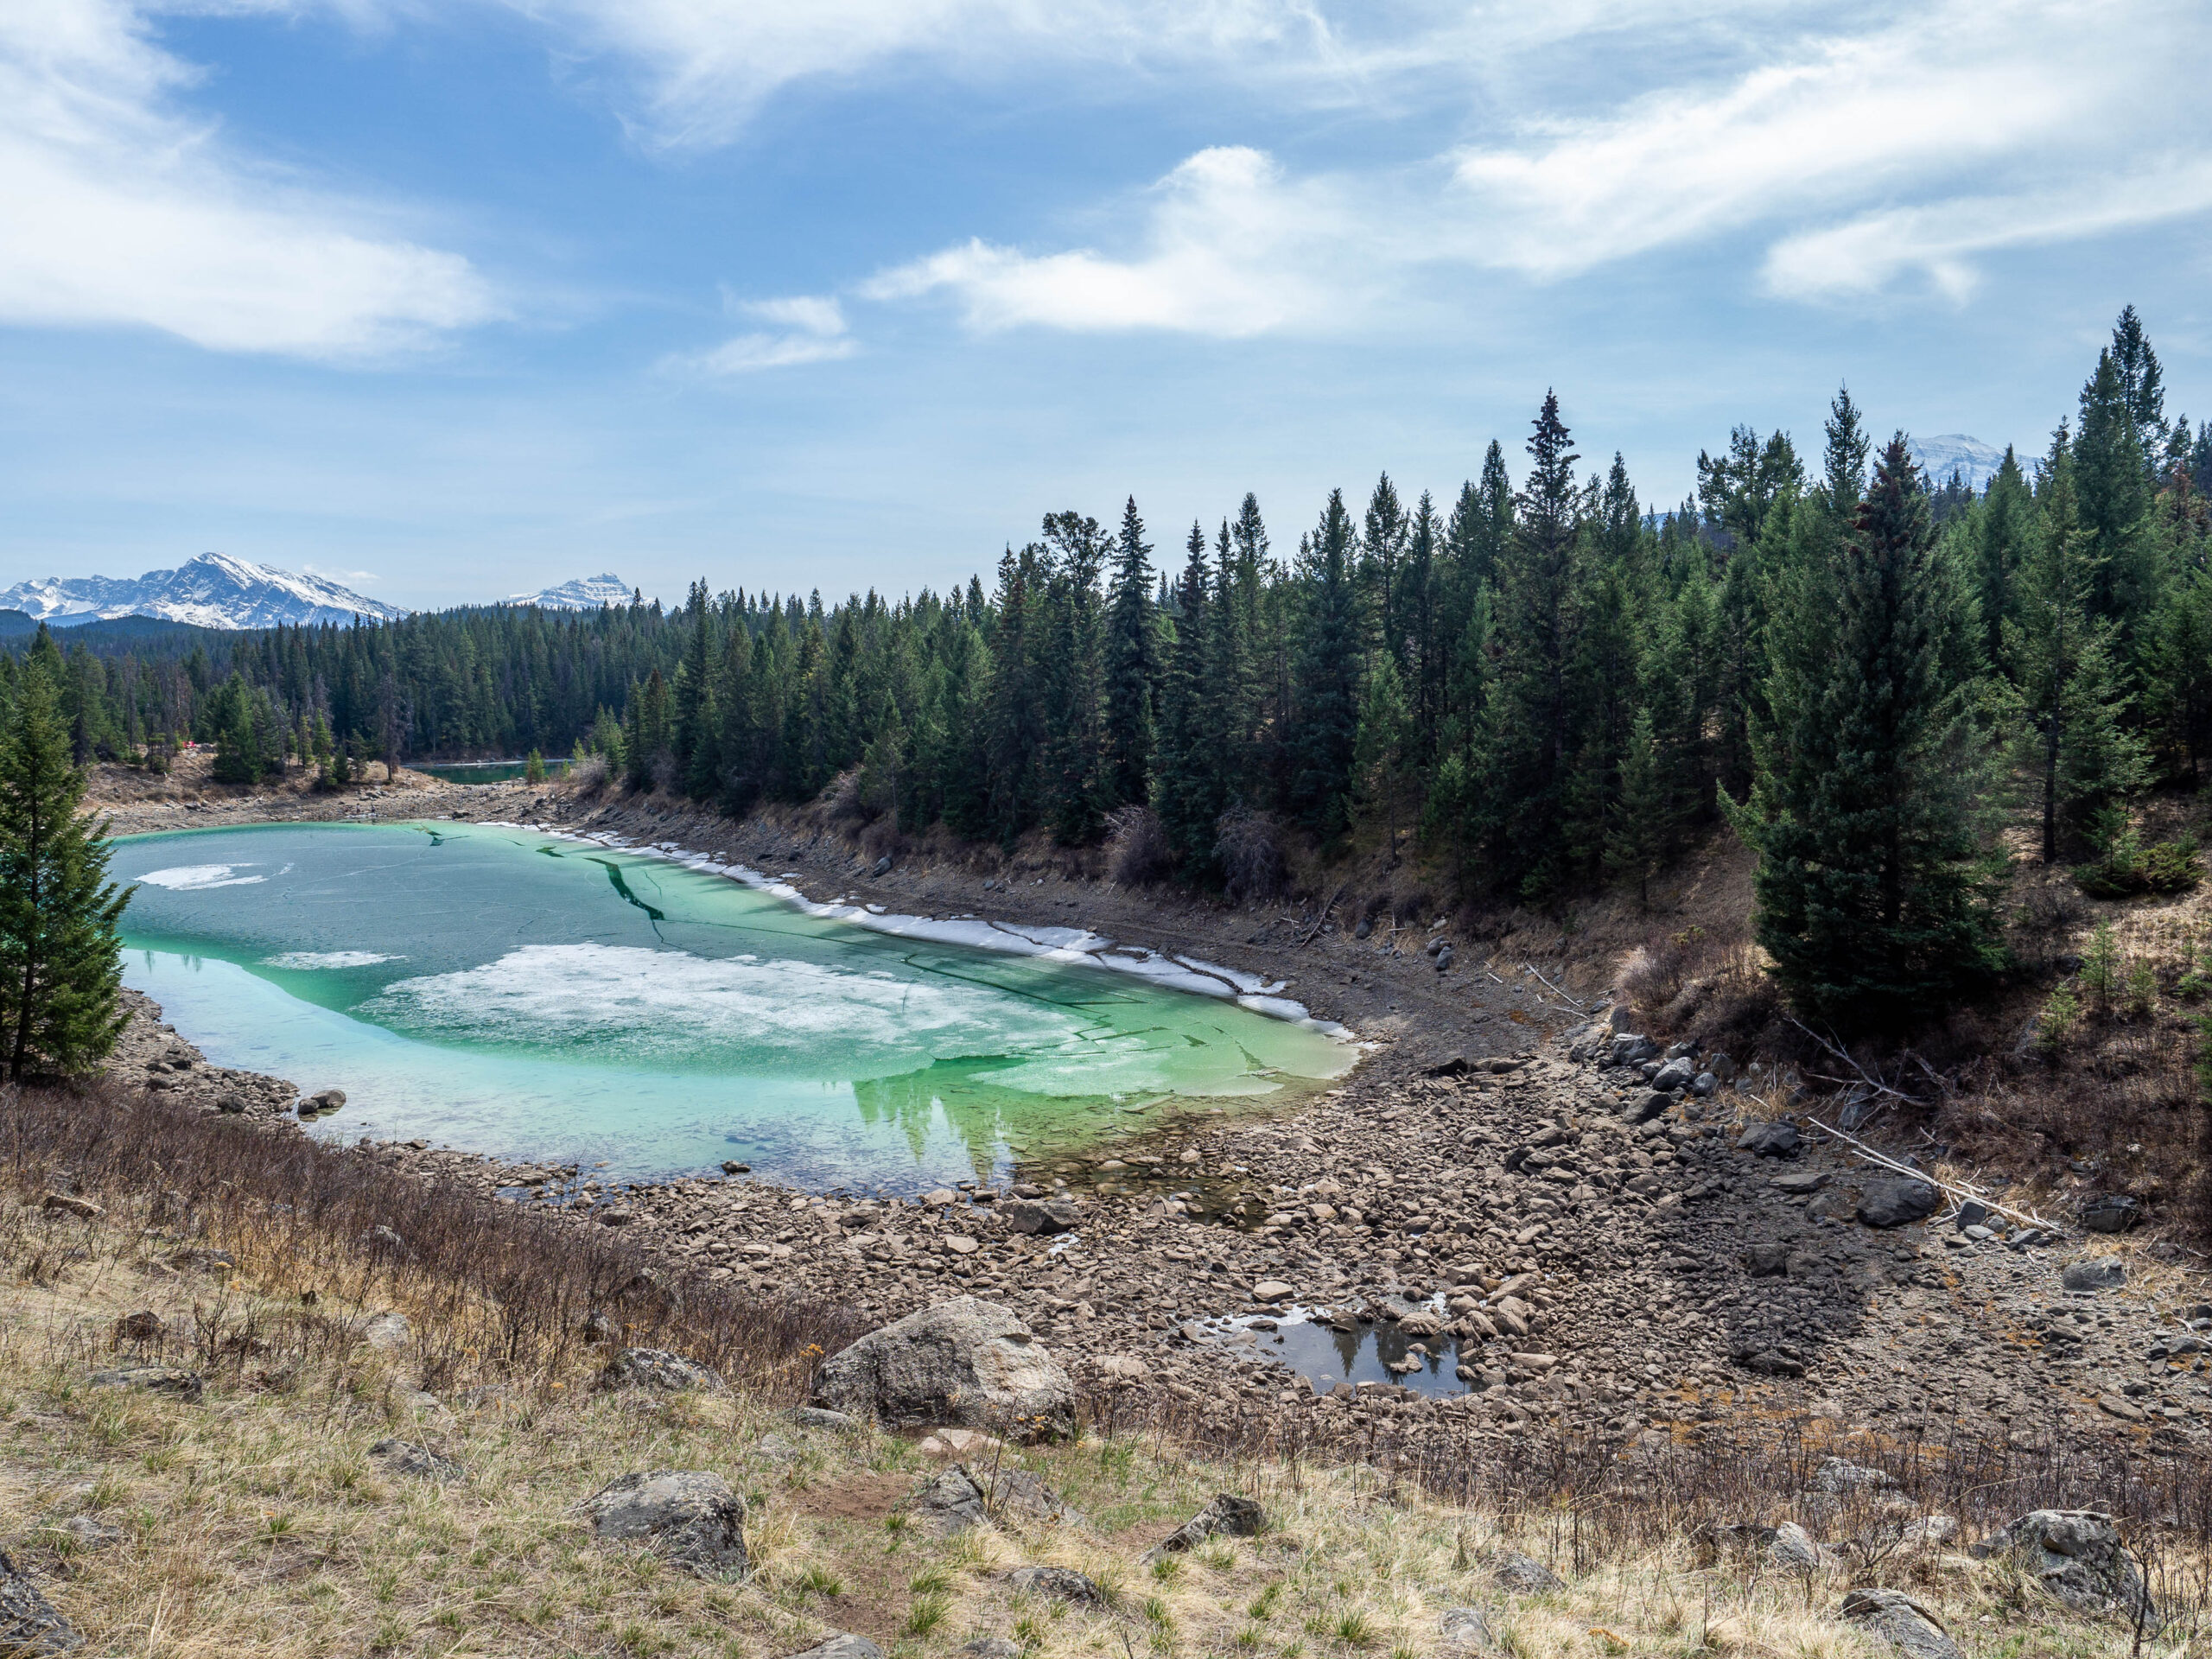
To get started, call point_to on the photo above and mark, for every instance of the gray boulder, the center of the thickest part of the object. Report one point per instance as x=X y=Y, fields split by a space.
x=387 y=1331
x=1774 y=1140
x=1900 y=1621
x=171 y=1380
x=2114 y=1213
x=1061 y=1583
x=843 y=1645
x=656 y=1367
x=1629 y=1048
x=2078 y=1556
x=1792 y=1549
x=965 y=1362
x=1894 y=1203
x=1227 y=1516
x=815 y=1417
x=951 y=1502
x=29 y=1623
x=991 y=1647
x=1835 y=1475
x=2101 y=1272
x=1675 y=1074
x=1040 y=1216
x=1648 y=1105
x=1463 y=1630
x=687 y=1517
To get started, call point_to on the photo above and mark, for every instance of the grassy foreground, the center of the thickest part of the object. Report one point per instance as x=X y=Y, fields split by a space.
x=256 y=1520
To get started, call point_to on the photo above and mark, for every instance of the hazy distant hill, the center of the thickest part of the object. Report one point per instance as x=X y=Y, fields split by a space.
x=212 y=591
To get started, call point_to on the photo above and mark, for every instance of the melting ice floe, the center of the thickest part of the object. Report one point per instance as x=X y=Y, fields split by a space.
x=305 y=960
x=618 y=996
x=196 y=878
x=1074 y=946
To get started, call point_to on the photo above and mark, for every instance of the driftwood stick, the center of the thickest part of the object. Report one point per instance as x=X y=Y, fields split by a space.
x=1552 y=988
x=1324 y=916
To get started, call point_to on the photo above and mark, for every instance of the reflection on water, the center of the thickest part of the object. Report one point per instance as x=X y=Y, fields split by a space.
x=501 y=991
x=1325 y=1356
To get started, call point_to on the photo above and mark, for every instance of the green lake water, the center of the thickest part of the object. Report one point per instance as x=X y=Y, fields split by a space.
x=541 y=998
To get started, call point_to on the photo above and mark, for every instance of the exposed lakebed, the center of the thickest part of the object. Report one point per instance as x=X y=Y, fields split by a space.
x=541 y=997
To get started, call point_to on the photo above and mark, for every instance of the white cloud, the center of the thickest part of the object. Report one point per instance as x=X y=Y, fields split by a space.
x=1231 y=248
x=708 y=65
x=1855 y=160
x=118 y=211
x=813 y=330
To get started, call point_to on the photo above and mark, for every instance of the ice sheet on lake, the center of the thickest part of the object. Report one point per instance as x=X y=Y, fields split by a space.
x=196 y=878
x=1065 y=944
x=304 y=961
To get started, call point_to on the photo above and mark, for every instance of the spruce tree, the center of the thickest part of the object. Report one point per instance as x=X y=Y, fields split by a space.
x=2068 y=708
x=1873 y=895
x=1187 y=781
x=1642 y=812
x=1539 y=621
x=2001 y=528
x=1380 y=750
x=1132 y=663
x=60 y=962
x=1324 y=697
x=2111 y=486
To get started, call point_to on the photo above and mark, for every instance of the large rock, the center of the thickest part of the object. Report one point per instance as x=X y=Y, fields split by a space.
x=1894 y=1203
x=1900 y=1621
x=2114 y=1213
x=965 y=1362
x=688 y=1517
x=2099 y=1272
x=1040 y=1216
x=29 y=1623
x=1774 y=1140
x=2077 y=1555
x=1463 y=1631
x=1060 y=1583
x=656 y=1367
x=952 y=1503
x=1227 y=1516
x=1510 y=1570
x=405 y=1458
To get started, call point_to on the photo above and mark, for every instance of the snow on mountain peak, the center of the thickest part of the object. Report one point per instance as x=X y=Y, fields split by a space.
x=584 y=594
x=214 y=590
x=1955 y=451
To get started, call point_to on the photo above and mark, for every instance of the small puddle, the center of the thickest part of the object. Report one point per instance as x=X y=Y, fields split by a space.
x=1307 y=1344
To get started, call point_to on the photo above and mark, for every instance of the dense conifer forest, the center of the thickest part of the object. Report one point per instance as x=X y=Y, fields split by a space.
x=1540 y=683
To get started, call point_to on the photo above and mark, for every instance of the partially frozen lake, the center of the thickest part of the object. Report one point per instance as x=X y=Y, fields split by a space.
x=541 y=998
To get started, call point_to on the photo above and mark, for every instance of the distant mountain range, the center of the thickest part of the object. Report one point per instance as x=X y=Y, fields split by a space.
x=212 y=591
x=584 y=594
x=1950 y=452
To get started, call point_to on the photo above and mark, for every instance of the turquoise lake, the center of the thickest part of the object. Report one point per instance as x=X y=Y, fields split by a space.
x=539 y=998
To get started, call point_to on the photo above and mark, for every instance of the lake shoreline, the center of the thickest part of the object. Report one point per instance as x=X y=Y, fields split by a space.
x=1638 y=1315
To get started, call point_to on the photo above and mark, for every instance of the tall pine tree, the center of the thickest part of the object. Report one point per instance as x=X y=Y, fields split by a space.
x=1132 y=663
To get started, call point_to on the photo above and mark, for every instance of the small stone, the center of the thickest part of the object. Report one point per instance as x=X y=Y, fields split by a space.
x=387 y=1331
x=951 y=1502
x=1228 y=1515
x=2113 y=1406
x=844 y=1645
x=958 y=1443
x=731 y=1166
x=405 y=1458
x=178 y=1384
x=1800 y=1182
x=142 y=1326
x=1835 y=1475
x=1774 y=1140
x=656 y=1367
x=1463 y=1630
x=990 y=1647
x=1793 y=1550
x=1061 y=1583
x=69 y=1203
x=1040 y=1216
x=1271 y=1290
x=1511 y=1570
x=816 y=1417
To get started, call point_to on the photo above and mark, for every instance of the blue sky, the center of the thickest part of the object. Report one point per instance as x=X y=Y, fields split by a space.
x=454 y=298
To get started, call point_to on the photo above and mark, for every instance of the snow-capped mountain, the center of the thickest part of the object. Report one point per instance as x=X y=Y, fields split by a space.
x=1972 y=459
x=584 y=594
x=212 y=591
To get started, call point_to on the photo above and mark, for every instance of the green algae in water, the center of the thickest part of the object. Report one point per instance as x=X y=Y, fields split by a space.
x=541 y=999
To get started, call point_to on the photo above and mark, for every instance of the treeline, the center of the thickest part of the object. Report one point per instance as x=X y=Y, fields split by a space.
x=1540 y=681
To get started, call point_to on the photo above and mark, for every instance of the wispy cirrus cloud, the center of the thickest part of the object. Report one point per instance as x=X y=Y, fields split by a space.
x=1849 y=162
x=118 y=210
x=809 y=328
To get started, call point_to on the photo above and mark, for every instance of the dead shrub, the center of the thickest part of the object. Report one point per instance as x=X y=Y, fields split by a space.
x=1248 y=846
x=589 y=775
x=1136 y=847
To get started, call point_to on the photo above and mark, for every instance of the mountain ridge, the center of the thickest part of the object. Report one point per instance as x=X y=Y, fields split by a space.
x=212 y=590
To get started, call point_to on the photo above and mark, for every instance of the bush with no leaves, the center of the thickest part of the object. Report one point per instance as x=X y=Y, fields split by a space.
x=1136 y=847
x=1248 y=846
